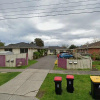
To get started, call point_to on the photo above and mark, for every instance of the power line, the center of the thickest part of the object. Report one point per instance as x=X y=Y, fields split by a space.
x=53 y=11
x=54 y=8
x=51 y=15
x=8 y=3
x=48 y=5
x=35 y=0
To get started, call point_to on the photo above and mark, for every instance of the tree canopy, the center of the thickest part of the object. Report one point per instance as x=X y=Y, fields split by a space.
x=39 y=42
x=72 y=46
x=1 y=44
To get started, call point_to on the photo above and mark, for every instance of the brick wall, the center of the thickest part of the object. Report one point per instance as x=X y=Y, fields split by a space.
x=96 y=50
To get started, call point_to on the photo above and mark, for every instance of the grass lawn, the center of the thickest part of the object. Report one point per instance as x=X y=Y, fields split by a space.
x=82 y=86
x=30 y=62
x=97 y=64
x=5 y=77
x=58 y=68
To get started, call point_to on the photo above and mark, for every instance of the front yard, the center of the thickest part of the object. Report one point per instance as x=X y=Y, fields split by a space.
x=5 y=77
x=82 y=86
x=96 y=64
x=30 y=62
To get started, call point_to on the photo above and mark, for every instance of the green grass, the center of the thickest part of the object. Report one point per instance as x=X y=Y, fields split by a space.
x=82 y=86
x=58 y=68
x=5 y=77
x=30 y=62
x=97 y=64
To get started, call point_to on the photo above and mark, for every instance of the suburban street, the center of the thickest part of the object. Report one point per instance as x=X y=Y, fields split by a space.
x=26 y=85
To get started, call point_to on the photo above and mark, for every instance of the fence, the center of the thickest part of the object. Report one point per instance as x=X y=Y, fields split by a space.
x=13 y=60
x=85 y=63
x=62 y=63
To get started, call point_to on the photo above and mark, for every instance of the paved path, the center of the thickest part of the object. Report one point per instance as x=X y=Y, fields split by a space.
x=75 y=72
x=24 y=86
x=12 y=70
x=46 y=62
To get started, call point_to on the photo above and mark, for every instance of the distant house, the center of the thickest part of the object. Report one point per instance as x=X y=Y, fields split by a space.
x=90 y=48
x=56 y=49
x=22 y=47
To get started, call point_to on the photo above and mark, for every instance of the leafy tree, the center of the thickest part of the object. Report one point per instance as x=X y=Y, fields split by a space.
x=64 y=46
x=72 y=46
x=39 y=42
x=1 y=44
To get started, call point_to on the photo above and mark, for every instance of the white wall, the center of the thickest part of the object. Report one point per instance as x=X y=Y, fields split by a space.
x=79 y=64
x=2 y=50
x=16 y=51
x=30 y=54
x=13 y=57
x=35 y=50
x=50 y=52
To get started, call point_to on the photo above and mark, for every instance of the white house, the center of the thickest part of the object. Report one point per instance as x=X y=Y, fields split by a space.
x=22 y=47
x=56 y=50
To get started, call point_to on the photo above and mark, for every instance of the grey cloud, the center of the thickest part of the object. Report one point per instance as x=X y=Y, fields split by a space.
x=18 y=29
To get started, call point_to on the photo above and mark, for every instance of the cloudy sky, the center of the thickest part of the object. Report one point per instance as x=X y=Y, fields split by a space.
x=54 y=21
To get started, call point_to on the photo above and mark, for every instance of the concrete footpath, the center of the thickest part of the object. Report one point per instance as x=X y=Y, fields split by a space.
x=12 y=70
x=75 y=72
x=25 y=86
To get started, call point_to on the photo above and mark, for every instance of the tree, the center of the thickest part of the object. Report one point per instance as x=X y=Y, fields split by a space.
x=72 y=46
x=39 y=42
x=64 y=46
x=1 y=44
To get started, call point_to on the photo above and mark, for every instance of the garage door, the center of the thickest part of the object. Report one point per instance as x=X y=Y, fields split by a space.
x=2 y=60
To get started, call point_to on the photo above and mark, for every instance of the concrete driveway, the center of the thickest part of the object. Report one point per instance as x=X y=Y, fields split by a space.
x=46 y=62
x=25 y=86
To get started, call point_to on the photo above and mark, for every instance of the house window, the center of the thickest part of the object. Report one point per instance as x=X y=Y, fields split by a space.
x=51 y=51
x=24 y=50
x=8 y=49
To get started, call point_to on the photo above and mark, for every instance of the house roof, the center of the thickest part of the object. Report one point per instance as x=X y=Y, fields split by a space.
x=22 y=45
x=56 y=47
x=92 y=45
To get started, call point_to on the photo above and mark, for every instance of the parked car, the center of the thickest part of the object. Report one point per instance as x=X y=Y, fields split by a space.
x=65 y=55
x=58 y=55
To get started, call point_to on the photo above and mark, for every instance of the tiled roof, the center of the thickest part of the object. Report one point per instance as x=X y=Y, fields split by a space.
x=92 y=45
x=56 y=47
x=22 y=45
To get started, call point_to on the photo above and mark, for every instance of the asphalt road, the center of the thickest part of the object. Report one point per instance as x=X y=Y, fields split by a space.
x=46 y=62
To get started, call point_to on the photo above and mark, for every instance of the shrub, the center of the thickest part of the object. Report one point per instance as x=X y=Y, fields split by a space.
x=36 y=55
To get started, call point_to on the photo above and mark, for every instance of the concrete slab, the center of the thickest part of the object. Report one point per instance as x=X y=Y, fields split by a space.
x=23 y=76
x=31 y=70
x=38 y=76
x=28 y=86
x=42 y=71
x=11 y=86
x=12 y=70
x=31 y=94
x=16 y=97
x=5 y=96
